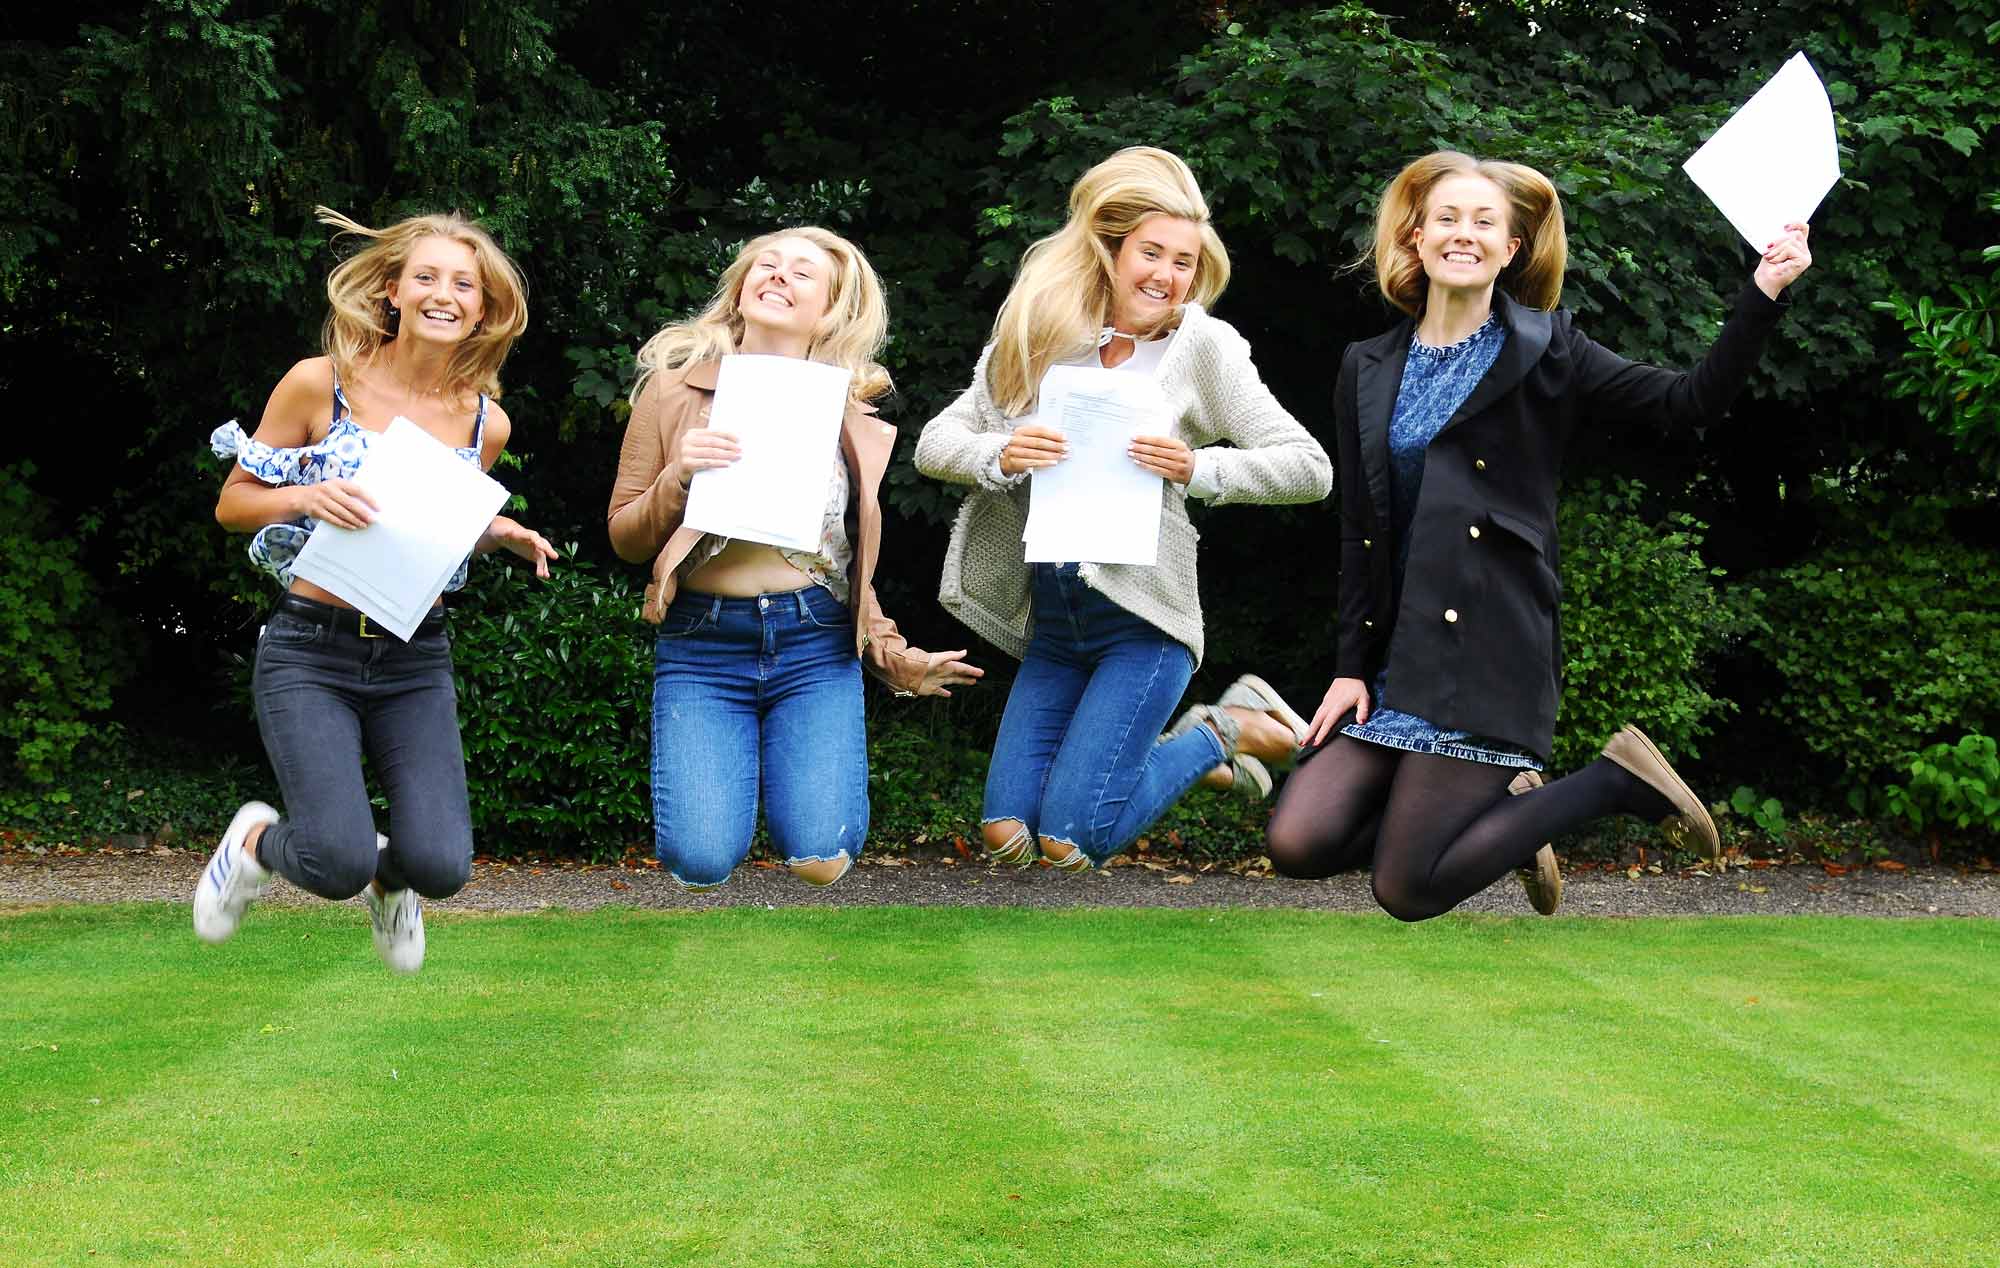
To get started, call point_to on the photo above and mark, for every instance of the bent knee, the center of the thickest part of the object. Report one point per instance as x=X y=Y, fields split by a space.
x=438 y=878
x=1067 y=855
x=1402 y=901
x=822 y=872
x=332 y=870
x=1001 y=833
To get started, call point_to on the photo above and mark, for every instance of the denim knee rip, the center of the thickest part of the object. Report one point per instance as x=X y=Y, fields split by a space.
x=1079 y=860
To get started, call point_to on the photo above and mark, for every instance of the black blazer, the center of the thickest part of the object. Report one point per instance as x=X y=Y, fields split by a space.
x=1475 y=643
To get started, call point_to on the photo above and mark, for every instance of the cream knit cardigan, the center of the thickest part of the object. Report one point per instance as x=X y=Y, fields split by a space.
x=1216 y=395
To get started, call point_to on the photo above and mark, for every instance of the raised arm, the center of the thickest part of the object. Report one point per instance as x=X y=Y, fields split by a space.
x=1613 y=387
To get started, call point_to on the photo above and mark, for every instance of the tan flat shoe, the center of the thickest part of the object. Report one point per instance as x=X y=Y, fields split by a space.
x=1544 y=880
x=1253 y=693
x=1689 y=828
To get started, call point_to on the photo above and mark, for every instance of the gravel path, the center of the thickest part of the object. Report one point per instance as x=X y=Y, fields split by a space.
x=158 y=874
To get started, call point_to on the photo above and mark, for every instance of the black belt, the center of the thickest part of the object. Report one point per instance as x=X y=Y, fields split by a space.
x=350 y=621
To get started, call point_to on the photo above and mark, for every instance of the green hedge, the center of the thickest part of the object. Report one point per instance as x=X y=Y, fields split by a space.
x=1642 y=623
x=61 y=652
x=1887 y=638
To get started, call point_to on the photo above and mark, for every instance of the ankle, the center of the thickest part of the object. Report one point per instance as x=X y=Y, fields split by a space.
x=1634 y=796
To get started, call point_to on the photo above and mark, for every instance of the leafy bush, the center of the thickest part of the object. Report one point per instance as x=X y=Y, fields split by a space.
x=1640 y=623
x=181 y=797
x=1768 y=813
x=60 y=652
x=1955 y=784
x=554 y=697
x=1952 y=367
x=1887 y=639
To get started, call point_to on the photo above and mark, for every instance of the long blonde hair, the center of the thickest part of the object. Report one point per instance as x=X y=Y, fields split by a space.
x=1061 y=296
x=849 y=334
x=1534 y=215
x=358 y=321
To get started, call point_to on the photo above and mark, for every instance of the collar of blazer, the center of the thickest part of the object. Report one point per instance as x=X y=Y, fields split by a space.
x=866 y=440
x=1379 y=375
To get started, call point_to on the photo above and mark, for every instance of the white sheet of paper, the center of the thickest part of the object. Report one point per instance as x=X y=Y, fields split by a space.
x=785 y=413
x=431 y=507
x=1097 y=505
x=1775 y=159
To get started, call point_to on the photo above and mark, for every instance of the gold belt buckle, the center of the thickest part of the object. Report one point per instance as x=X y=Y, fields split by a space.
x=364 y=631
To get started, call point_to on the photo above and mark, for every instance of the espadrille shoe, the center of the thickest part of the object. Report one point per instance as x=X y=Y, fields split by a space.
x=1543 y=880
x=1689 y=827
x=1253 y=693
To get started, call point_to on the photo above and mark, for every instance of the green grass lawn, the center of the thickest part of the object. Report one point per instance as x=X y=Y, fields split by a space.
x=942 y=1087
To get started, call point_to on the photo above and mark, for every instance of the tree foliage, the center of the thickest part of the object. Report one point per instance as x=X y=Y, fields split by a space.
x=160 y=266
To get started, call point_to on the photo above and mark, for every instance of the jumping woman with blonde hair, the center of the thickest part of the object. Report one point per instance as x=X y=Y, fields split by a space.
x=1451 y=430
x=1080 y=767
x=419 y=321
x=757 y=692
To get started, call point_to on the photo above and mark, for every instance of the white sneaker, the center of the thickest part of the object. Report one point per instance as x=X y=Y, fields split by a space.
x=398 y=917
x=232 y=878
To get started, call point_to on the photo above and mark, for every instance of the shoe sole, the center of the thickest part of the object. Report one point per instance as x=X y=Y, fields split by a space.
x=1690 y=823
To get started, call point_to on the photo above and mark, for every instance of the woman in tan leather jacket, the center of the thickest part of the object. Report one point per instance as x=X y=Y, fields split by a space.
x=757 y=670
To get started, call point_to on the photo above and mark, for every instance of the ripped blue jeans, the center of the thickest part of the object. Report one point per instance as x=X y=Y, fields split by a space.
x=1079 y=758
x=757 y=699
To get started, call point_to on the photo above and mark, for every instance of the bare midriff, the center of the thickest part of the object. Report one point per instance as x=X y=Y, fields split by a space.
x=307 y=590
x=743 y=570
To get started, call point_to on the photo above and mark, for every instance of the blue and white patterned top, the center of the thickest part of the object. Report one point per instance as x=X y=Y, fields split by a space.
x=336 y=456
x=1436 y=382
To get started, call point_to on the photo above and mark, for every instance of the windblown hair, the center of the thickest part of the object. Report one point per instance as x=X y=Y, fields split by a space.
x=1061 y=296
x=850 y=334
x=1534 y=215
x=358 y=319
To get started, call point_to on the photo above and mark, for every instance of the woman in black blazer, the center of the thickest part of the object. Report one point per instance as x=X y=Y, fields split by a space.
x=1451 y=431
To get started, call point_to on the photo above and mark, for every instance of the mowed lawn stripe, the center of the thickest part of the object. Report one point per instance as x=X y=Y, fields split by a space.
x=818 y=1087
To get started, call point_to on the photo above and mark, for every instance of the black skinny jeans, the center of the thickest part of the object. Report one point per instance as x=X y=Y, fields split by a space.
x=323 y=696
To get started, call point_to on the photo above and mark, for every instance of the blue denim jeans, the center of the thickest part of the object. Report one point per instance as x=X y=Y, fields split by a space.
x=324 y=697
x=757 y=697
x=1079 y=758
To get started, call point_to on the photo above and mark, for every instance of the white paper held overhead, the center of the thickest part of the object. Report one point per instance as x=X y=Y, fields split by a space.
x=1775 y=159
x=430 y=508
x=785 y=413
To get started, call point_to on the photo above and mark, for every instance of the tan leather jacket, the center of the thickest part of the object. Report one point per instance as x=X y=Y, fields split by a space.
x=647 y=504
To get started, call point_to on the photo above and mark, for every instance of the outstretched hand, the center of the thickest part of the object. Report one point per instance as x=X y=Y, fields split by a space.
x=505 y=534
x=947 y=670
x=1783 y=261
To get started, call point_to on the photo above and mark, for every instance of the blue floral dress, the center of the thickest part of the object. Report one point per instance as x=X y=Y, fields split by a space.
x=1436 y=382
x=336 y=456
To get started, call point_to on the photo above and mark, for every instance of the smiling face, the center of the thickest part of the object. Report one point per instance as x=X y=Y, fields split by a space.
x=1463 y=240
x=786 y=291
x=1153 y=271
x=439 y=291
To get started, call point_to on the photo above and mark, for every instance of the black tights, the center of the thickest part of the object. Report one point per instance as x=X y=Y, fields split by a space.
x=1441 y=828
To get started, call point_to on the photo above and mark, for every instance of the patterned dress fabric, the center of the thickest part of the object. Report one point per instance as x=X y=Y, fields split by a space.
x=336 y=456
x=1436 y=382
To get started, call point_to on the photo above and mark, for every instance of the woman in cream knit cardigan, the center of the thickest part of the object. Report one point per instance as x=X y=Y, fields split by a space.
x=1080 y=768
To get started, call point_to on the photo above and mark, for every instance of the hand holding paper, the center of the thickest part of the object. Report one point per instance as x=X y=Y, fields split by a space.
x=1775 y=159
x=431 y=508
x=1097 y=505
x=784 y=414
